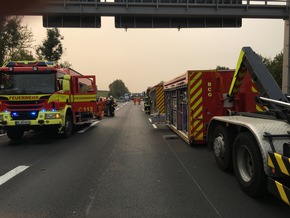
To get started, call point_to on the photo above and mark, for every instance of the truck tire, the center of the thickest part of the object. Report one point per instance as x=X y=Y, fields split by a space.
x=222 y=147
x=15 y=134
x=68 y=126
x=248 y=165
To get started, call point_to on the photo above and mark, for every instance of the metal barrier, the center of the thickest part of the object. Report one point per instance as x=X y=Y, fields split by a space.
x=226 y=2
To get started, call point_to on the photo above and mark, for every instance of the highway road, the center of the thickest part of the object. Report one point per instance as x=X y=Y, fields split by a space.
x=120 y=167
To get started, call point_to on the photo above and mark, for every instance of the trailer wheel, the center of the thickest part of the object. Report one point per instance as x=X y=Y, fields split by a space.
x=68 y=126
x=222 y=146
x=15 y=134
x=248 y=165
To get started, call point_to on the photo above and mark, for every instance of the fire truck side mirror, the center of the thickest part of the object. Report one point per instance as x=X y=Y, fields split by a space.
x=66 y=83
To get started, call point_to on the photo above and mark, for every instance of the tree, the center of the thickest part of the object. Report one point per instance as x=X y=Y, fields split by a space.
x=15 y=39
x=2 y=44
x=51 y=48
x=65 y=64
x=23 y=55
x=117 y=89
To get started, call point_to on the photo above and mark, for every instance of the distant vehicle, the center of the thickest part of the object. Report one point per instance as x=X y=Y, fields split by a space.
x=121 y=99
x=126 y=97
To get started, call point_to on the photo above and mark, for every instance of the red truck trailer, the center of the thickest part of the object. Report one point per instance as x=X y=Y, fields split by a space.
x=193 y=98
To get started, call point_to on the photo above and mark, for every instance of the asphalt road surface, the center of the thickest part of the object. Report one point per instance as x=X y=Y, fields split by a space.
x=120 y=167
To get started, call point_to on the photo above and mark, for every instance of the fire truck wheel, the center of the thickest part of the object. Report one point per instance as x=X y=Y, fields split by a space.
x=248 y=165
x=68 y=127
x=15 y=134
x=222 y=147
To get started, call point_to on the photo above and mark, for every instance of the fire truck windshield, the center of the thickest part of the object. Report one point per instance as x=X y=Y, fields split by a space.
x=27 y=83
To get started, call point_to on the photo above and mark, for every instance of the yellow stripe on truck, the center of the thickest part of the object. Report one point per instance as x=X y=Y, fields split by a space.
x=160 y=99
x=233 y=88
x=82 y=98
x=282 y=192
x=281 y=163
x=195 y=104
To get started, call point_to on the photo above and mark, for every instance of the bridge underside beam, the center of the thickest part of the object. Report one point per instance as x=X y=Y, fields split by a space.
x=161 y=9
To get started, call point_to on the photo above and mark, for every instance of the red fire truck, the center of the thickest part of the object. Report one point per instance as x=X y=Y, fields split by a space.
x=40 y=95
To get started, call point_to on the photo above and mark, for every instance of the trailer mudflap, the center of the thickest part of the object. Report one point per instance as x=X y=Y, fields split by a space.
x=280 y=166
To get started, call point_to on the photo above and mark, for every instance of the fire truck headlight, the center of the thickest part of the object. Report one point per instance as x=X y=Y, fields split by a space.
x=52 y=116
x=33 y=114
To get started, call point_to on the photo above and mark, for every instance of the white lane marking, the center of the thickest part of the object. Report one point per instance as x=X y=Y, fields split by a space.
x=143 y=109
x=85 y=129
x=155 y=127
x=3 y=134
x=95 y=123
x=125 y=104
x=12 y=173
x=117 y=109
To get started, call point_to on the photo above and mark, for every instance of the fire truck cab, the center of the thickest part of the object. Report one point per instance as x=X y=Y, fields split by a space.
x=40 y=95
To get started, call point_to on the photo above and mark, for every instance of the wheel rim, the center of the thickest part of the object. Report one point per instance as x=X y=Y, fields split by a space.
x=219 y=146
x=245 y=163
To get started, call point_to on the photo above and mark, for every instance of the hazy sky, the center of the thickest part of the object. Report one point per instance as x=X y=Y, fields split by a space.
x=144 y=57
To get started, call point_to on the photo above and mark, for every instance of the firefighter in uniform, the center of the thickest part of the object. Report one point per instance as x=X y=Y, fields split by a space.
x=110 y=107
x=147 y=105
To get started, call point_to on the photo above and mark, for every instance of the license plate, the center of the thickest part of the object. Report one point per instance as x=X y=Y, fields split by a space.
x=22 y=122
